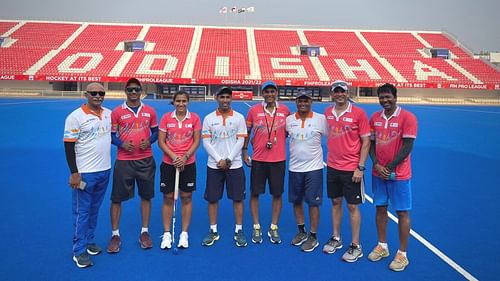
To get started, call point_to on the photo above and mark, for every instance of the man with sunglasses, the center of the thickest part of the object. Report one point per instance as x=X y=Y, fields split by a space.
x=135 y=128
x=87 y=143
x=267 y=120
x=348 y=143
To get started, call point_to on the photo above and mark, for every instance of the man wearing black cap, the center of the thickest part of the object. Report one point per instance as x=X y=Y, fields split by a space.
x=223 y=134
x=305 y=178
x=267 y=120
x=135 y=128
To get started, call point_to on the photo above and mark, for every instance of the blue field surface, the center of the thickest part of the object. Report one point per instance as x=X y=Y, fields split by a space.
x=456 y=188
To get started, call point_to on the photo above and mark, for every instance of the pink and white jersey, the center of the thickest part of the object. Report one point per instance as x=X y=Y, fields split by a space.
x=268 y=126
x=179 y=134
x=130 y=126
x=221 y=135
x=388 y=134
x=344 y=136
x=306 y=153
x=91 y=134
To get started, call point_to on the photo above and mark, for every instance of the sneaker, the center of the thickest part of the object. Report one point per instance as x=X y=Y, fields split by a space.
x=183 y=240
x=399 y=263
x=145 y=241
x=299 y=238
x=274 y=236
x=83 y=260
x=257 y=236
x=332 y=245
x=378 y=253
x=166 y=241
x=239 y=238
x=210 y=239
x=93 y=249
x=114 y=244
x=310 y=244
x=353 y=253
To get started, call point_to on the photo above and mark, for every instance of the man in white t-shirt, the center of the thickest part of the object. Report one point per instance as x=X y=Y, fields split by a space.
x=87 y=142
x=305 y=130
x=223 y=134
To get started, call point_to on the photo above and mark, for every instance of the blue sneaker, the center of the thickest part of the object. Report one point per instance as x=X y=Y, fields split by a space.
x=239 y=238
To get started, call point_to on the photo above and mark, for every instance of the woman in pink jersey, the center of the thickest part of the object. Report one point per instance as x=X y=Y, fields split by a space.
x=179 y=137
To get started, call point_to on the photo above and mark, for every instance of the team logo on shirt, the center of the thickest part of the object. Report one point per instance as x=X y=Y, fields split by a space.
x=393 y=125
x=146 y=114
x=188 y=126
x=347 y=119
x=280 y=114
x=126 y=116
x=378 y=124
x=171 y=125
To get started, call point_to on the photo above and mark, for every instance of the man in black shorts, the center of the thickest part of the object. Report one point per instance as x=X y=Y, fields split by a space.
x=348 y=145
x=267 y=120
x=134 y=129
x=223 y=134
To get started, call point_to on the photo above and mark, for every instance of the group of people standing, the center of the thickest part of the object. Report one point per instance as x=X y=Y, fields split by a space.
x=227 y=136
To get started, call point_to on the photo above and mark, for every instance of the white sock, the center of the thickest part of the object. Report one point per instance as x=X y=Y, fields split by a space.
x=256 y=226
x=402 y=253
x=144 y=229
x=115 y=232
x=184 y=233
x=383 y=245
x=213 y=227
x=238 y=227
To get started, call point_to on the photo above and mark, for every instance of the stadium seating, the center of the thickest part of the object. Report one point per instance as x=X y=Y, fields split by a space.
x=210 y=55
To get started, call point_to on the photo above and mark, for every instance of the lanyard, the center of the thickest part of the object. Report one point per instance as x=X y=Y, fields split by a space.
x=270 y=129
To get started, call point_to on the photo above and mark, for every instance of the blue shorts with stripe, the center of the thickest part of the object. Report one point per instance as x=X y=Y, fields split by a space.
x=306 y=186
x=397 y=193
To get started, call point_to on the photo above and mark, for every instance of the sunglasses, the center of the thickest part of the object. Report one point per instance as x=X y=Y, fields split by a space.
x=94 y=94
x=132 y=89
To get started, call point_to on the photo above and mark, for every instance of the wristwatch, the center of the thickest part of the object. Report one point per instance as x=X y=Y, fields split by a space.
x=361 y=168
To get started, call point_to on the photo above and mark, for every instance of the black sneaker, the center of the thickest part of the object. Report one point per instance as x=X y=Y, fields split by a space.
x=93 y=249
x=83 y=260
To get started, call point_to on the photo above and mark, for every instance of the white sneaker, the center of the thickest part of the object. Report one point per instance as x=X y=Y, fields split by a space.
x=166 y=241
x=183 y=240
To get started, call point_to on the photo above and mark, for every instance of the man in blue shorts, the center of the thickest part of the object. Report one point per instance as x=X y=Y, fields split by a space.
x=223 y=134
x=305 y=129
x=393 y=131
x=87 y=143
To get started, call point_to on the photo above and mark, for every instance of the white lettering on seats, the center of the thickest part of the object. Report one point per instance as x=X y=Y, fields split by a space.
x=92 y=63
x=364 y=65
x=423 y=71
x=300 y=71
x=148 y=60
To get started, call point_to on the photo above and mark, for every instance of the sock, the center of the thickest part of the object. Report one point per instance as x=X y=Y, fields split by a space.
x=313 y=235
x=238 y=228
x=336 y=238
x=302 y=227
x=402 y=253
x=144 y=229
x=213 y=227
x=256 y=226
x=273 y=226
x=383 y=245
x=115 y=232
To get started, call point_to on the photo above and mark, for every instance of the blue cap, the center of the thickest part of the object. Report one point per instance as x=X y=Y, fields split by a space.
x=269 y=83
x=304 y=94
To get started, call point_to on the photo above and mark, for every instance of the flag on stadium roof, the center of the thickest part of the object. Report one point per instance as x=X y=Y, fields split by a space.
x=223 y=10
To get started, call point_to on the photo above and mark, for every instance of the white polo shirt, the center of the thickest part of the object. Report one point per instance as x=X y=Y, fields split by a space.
x=91 y=134
x=306 y=153
x=220 y=136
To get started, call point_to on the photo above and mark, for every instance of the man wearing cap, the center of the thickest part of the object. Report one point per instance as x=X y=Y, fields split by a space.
x=348 y=143
x=223 y=134
x=269 y=157
x=87 y=144
x=135 y=128
x=393 y=131
x=305 y=129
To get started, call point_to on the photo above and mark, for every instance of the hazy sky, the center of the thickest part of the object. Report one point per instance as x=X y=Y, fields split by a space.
x=475 y=23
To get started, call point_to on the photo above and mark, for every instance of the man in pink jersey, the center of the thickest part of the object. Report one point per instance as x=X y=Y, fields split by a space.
x=393 y=131
x=178 y=138
x=87 y=143
x=268 y=121
x=135 y=128
x=348 y=144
